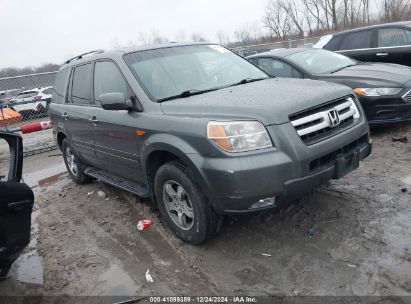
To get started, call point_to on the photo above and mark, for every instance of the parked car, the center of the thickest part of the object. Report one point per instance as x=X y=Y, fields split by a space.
x=16 y=202
x=157 y=122
x=383 y=89
x=34 y=100
x=390 y=43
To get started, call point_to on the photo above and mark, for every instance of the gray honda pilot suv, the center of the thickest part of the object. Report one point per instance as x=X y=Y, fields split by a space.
x=202 y=131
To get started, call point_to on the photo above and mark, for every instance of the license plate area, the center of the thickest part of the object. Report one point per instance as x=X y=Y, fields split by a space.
x=347 y=163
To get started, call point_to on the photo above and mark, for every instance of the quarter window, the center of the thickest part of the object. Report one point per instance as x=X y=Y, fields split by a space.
x=359 y=40
x=60 y=86
x=80 y=93
x=393 y=37
x=108 y=79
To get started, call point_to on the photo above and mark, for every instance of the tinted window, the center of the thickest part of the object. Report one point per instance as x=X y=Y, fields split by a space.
x=279 y=68
x=393 y=37
x=80 y=92
x=275 y=67
x=360 y=40
x=60 y=86
x=108 y=79
x=334 y=43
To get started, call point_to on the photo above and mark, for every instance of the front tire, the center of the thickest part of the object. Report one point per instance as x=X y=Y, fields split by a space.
x=183 y=204
x=73 y=164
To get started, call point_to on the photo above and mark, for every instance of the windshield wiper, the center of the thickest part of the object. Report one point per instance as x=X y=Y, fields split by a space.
x=340 y=69
x=186 y=93
x=247 y=80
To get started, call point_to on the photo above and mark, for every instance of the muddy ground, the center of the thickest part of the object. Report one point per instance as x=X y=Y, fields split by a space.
x=349 y=237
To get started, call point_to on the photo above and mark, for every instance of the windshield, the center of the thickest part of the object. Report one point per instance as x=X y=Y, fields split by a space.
x=167 y=72
x=321 y=61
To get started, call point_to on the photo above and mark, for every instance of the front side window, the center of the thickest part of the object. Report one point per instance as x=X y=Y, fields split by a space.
x=359 y=40
x=108 y=79
x=167 y=72
x=276 y=67
x=393 y=37
x=320 y=61
x=80 y=92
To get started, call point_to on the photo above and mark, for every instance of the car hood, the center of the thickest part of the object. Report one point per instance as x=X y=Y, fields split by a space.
x=271 y=101
x=374 y=74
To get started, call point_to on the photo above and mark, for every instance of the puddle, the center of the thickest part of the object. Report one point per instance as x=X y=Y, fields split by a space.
x=30 y=264
x=30 y=268
x=117 y=282
x=32 y=179
x=407 y=180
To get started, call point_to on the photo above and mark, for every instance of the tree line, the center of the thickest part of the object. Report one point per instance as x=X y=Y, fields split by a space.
x=12 y=71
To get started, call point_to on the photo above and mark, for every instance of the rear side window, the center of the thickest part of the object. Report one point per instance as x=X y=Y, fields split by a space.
x=60 y=86
x=108 y=79
x=393 y=37
x=80 y=92
x=334 y=44
x=360 y=40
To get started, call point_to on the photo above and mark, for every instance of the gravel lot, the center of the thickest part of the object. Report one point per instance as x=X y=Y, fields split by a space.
x=349 y=237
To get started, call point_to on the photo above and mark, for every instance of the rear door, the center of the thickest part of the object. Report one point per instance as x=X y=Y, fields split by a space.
x=359 y=45
x=116 y=144
x=78 y=113
x=394 y=45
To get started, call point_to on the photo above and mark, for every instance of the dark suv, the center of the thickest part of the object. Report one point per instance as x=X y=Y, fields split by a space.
x=202 y=131
x=389 y=43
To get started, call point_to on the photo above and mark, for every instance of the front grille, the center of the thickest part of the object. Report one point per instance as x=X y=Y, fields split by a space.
x=407 y=96
x=319 y=123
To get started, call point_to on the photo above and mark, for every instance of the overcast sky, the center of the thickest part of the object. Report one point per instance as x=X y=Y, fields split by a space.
x=39 y=31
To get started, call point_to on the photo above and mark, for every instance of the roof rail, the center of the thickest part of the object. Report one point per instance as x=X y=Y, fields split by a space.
x=81 y=55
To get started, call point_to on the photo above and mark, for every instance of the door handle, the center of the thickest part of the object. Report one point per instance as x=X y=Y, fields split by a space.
x=93 y=119
x=64 y=115
x=17 y=206
x=382 y=54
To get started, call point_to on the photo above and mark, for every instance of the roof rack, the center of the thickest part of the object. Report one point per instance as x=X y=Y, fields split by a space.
x=86 y=53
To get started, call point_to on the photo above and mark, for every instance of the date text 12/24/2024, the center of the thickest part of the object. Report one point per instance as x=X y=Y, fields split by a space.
x=203 y=299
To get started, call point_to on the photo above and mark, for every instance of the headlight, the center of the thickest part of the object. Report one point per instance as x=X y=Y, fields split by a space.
x=238 y=136
x=377 y=91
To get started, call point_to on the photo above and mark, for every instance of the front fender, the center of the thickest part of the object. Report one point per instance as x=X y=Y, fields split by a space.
x=181 y=149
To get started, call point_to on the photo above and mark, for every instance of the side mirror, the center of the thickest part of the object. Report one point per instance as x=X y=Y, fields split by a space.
x=11 y=157
x=115 y=102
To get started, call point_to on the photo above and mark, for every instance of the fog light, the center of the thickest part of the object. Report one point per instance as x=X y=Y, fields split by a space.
x=264 y=203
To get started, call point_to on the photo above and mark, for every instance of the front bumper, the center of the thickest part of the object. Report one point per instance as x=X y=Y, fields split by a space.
x=386 y=110
x=234 y=184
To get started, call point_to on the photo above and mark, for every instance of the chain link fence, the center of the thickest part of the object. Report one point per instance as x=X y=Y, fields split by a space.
x=264 y=47
x=24 y=100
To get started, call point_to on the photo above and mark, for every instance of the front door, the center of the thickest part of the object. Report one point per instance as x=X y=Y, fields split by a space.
x=116 y=143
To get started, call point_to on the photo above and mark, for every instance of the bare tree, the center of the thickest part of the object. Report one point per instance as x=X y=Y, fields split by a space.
x=276 y=20
x=223 y=38
x=180 y=36
x=197 y=37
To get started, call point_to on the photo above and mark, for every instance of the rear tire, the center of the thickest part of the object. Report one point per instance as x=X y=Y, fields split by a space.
x=183 y=204
x=74 y=165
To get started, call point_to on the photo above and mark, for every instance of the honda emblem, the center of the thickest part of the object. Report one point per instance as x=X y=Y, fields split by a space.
x=334 y=118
